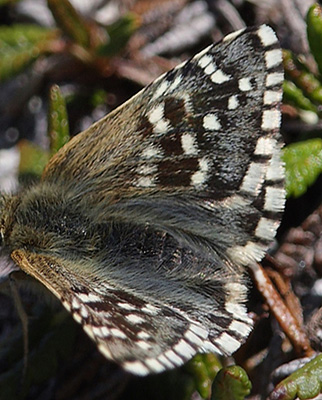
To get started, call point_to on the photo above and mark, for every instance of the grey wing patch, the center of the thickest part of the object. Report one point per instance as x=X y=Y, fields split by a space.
x=213 y=142
x=145 y=333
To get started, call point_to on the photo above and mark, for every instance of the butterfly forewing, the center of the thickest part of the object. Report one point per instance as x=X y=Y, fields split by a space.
x=202 y=140
x=149 y=214
x=188 y=130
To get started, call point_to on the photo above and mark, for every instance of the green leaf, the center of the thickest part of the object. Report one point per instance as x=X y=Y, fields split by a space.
x=303 y=162
x=231 y=383
x=58 y=129
x=298 y=73
x=204 y=368
x=20 y=45
x=70 y=21
x=305 y=383
x=314 y=33
x=9 y=2
x=32 y=158
x=295 y=96
x=119 y=33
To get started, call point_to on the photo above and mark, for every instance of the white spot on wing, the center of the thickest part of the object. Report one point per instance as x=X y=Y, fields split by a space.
x=235 y=288
x=211 y=122
x=271 y=119
x=144 y=181
x=143 y=345
x=187 y=101
x=272 y=96
x=200 y=176
x=210 y=69
x=234 y=202
x=83 y=312
x=175 y=83
x=88 y=298
x=135 y=319
x=147 y=169
x=189 y=144
x=254 y=178
x=184 y=349
x=244 y=84
x=203 y=52
x=126 y=306
x=165 y=361
x=105 y=331
x=143 y=335
x=194 y=339
x=171 y=355
x=266 y=228
x=136 y=367
x=118 y=333
x=150 y=309
x=156 y=114
x=275 y=170
x=228 y=343
x=151 y=152
x=275 y=78
x=161 y=89
x=77 y=318
x=88 y=329
x=240 y=327
x=75 y=303
x=265 y=146
x=273 y=58
x=67 y=305
x=238 y=310
x=209 y=347
x=233 y=102
x=274 y=199
x=154 y=365
x=156 y=117
x=220 y=77
x=204 y=61
x=266 y=35
x=199 y=330
x=244 y=255
x=98 y=331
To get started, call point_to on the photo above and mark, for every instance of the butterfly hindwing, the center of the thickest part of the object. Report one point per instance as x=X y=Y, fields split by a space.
x=140 y=331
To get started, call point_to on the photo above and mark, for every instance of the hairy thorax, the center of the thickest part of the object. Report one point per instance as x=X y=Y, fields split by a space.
x=46 y=219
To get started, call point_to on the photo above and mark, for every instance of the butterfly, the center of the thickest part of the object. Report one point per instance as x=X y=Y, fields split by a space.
x=142 y=225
